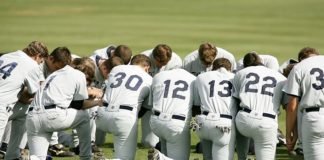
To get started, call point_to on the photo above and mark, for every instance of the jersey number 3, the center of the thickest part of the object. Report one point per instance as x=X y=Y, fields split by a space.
x=7 y=69
x=319 y=78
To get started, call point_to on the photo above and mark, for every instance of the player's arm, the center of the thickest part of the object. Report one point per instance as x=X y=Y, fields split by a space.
x=291 y=122
x=26 y=98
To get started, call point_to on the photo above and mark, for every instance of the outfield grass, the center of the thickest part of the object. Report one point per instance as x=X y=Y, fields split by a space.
x=276 y=27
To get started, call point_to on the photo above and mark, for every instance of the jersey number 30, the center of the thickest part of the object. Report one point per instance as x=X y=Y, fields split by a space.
x=133 y=82
x=7 y=69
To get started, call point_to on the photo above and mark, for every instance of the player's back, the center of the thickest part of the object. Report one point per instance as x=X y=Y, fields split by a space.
x=61 y=87
x=310 y=75
x=128 y=85
x=14 y=68
x=215 y=91
x=259 y=88
x=172 y=91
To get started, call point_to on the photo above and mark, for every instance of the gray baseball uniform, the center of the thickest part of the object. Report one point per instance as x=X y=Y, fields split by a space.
x=217 y=130
x=192 y=63
x=172 y=100
x=14 y=67
x=148 y=137
x=32 y=81
x=50 y=112
x=306 y=81
x=119 y=116
x=259 y=90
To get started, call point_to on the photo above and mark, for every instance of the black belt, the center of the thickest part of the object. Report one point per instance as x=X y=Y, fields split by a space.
x=221 y=115
x=312 y=109
x=263 y=114
x=157 y=113
x=45 y=107
x=120 y=106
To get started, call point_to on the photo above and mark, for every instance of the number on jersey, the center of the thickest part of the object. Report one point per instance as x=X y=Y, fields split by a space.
x=181 y=86
x=319 y=77
x=227 y=88
x=254 y=79
x=132 y=83
x=7 y=69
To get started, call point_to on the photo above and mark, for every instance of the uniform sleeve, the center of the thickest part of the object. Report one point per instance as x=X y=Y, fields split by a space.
x=236 y=86
x=33 y=80
x=292 y=87
x=81 y=92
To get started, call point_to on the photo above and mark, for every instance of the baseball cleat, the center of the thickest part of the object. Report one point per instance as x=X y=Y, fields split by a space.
x=57 y=150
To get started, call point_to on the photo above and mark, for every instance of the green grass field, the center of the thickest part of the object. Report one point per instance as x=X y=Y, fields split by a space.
x=276 y=27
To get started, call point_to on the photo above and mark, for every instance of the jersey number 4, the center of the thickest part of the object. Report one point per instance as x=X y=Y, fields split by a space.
x=7 y=69
x=254 y=78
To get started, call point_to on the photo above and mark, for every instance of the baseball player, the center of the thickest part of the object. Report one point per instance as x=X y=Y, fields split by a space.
x=119 y=115
x=258 y=89
x=305 y=87
x=199 y=61
x=268 y=61
x=59 y=105
x=244 y=144
x=101 y=73
x=162 y=58
x=216 y=122
x=172 y=99
x=33 y=81
x=14 y=68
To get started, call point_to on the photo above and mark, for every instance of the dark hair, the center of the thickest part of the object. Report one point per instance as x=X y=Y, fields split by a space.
x=113 y=62
x=222 y=62
x=142 y=60
x=207 y=53
x=85 y=65
x=34 y=48
x=124 y=52
x=251 y=59
x=62 y=55
x=288 y=68
x=162 y=53
x=306 y=52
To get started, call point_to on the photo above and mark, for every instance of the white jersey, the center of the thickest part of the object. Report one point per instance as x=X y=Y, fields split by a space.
x=259 y=89
x=215 y=91
x=306 y=81
x=61 y=87
x=192 y=63
x=14 y=68
x=175 y=62
x=104 y=52
x=36 y=77
x=172 y=92
x=269 y=61
x=128 y=85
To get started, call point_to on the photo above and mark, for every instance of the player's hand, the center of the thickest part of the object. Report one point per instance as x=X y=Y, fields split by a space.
x=95 y=92
x=291 y=141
